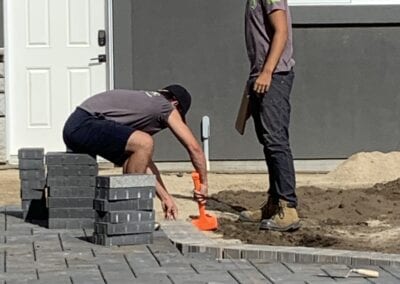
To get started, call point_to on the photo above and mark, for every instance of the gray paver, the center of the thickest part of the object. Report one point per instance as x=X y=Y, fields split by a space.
x=248 y=276
x=141 y=260
x=70 y=223
x=62 y=158
x=71 y=181
x=71 y=191
x=166 y=270
x=145 y=192
x=2 y=218
x=29 y=194
x=55 y=213
x=32 y=174
x=236 y=264
x=47 y=265
x=19 y=264
x=129 y=216
x=171 y=259
x=135 y=239
x=87 y=277
x=150 y=279
x=124 y=228
x=31 y=153
x=33 y=184
x=70 y=202
x=30 y=164
x=117 y=273
x=287 y=256
x=2 y=257
x=232 y=253
x=110 y=262
x=21 y=239
x=118 y=277
x=273 y=271
x=58 y=280
x=395 y=271
x=301 y=268
x=126 y=180
x=123 y=205
x=162 y=245
x=221 y=277
x=16 y=278
x=72 y=170
x=269 y=255
x=320 y=280
x=304 y=257
x=81 y=261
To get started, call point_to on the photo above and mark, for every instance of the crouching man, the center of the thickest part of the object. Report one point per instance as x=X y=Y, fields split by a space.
x=118 y=125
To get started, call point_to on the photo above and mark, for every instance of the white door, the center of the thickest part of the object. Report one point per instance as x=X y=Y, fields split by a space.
x=50 y=44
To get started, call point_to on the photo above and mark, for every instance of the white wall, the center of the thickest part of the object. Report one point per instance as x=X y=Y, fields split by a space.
x=344 y=2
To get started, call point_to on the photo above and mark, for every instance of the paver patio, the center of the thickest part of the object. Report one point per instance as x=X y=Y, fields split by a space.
x=31 y=253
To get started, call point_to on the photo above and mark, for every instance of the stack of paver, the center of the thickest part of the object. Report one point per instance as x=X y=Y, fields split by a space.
x=33 y=182
x=124 y=209
x=71 y=180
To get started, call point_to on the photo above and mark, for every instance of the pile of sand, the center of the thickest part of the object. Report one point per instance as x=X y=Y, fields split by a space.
x=363 y=169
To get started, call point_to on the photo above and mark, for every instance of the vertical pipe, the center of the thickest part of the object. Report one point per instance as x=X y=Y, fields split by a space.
x=205 y=136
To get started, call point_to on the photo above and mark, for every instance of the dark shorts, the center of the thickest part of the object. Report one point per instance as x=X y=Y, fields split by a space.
x=94 y=135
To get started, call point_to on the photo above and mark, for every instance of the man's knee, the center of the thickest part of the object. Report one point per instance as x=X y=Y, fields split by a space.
x=140 y=141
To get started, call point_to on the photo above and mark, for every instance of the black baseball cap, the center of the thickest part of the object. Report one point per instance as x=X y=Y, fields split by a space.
x=182 y=96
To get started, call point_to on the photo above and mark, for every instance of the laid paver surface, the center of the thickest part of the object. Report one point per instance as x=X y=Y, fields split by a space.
x=31 y=253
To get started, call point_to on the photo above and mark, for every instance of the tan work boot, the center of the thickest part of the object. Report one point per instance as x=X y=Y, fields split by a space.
x=286 y=219
x=266 y=211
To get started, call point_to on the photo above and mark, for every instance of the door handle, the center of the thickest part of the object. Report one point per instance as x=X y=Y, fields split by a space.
x=101 y=58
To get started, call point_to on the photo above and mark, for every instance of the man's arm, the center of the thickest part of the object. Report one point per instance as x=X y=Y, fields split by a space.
x=278 y=20
x=186 y=137
x=168 y=204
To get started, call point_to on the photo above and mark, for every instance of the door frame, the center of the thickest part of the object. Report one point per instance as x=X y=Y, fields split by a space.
x=110 y=44
x=8 y=68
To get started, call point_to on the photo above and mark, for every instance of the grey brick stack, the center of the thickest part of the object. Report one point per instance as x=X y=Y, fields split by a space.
x=124 y=209
x=33 y=182
x=71 y=180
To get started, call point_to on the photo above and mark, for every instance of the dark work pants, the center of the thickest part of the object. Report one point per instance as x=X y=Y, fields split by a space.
x=271 y=114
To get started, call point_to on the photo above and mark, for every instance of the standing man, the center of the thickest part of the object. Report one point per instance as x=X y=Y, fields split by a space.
x=118 y=125
x=270 y=50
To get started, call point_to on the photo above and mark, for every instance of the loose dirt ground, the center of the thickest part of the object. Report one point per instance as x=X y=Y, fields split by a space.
x=359 y=219
x=343 y=209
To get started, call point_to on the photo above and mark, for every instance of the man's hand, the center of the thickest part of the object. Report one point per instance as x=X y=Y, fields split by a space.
x=261 y=85
x=201 y=196
x=169 y=208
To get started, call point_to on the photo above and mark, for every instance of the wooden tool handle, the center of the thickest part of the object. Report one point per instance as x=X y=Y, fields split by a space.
x=367 y=272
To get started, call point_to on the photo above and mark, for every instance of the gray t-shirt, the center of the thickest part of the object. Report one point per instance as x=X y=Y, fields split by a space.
x=259 y=33
x=143 y=110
